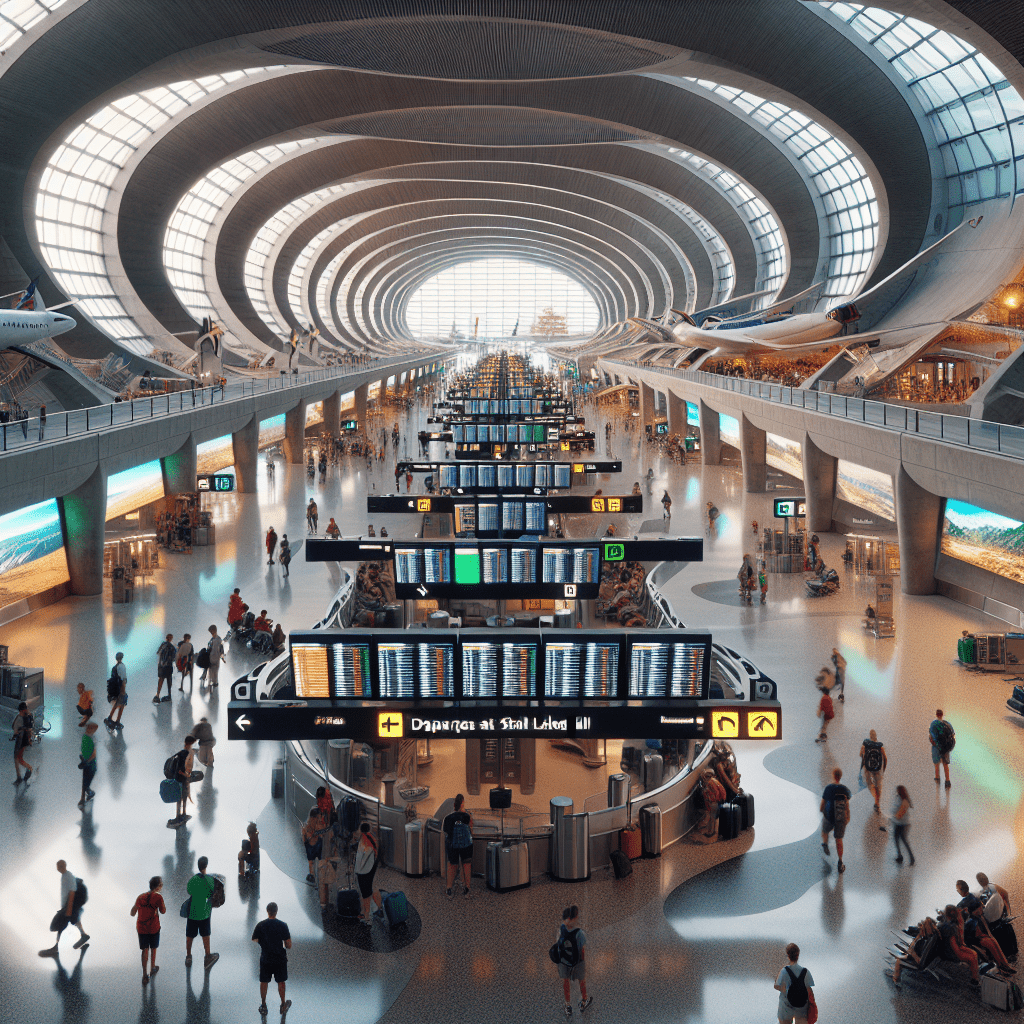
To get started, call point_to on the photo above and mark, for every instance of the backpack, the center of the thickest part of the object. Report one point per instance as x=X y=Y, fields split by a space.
x=173 y=765
x=203 y=658
x=147 y=911
x=569 y=947
x=713 y=513
x=946 y=740
x=796 y=994
x=872 y=755
x=840 y=805
x=828 y=708
x=113 y=684
x=461 y=836
x=218 y=895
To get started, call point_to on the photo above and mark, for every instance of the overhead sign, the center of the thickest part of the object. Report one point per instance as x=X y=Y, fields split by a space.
x=215 y=482
x=725 y=724
x=790 y=508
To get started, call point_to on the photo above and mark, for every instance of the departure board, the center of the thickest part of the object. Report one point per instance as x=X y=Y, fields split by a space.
x=449 y=476
x=687 y=670
x=465 y=517
x=556 y=565
x=436 y=565
x=479 y=669
x=312 y=678
x=544 y=475
x=600 y=669
x=458 y=433
x=467 y=566
x=506 y=475
x=585 y=565
x=535 y=520
x=396 y=671
x=563 y=475
x=524 y=474
x=436 y=670
x=494 y=565
x=467 y=475
x=351 y=665
x=519 y=669
x=562 y=670
x=523 y=565
x=487 y=476
x=487 y=516
x=408 y=565
x=512 y=516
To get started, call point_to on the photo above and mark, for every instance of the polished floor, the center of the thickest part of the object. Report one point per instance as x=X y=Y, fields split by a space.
x=696 y=936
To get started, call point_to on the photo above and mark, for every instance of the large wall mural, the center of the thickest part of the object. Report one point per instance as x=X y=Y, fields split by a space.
x=985 y=539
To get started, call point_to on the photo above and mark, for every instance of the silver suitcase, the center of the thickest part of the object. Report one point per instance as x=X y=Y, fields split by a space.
x=508 y=866
x=654 y=771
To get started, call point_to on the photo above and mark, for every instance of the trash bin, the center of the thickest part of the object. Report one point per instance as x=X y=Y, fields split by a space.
x=570 y=841
x=414 y=849
x=618 y=789
x=389 y=782
x=650 y=829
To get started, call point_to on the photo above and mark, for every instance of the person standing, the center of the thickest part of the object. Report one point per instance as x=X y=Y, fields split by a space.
x=87 y=762
x=572 y=958
x=203 y=733
x=21 y=733
x=458 y=841
x=312 y=515
x=84 y=706
x=835 y=814
x=183 y=761
x=274 y=940
x=147 y=908
x=901 y=822
x=285 y=555
x=271 y=541
x=118 y=685
x=873 y=762
x=666 y=504
x=312 y=833
x=215 y=649
x=73 y=895
x=200 y=889
x=794 y=985
x=184 y=658
x=943 y=739
x=714 y=796
x=366 y=868
x=42 y=422
x=164 y=667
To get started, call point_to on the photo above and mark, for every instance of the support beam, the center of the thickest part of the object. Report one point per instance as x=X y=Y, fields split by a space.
x=710 y=436
x=648 y=405
x=83 y=516
x=819 y=486
x=245 y=445
x=332 y=414
x=754 y=455
x=919 y=524
x=295 y=433
x=676 y=407
x=179 y=469
x=359 y=396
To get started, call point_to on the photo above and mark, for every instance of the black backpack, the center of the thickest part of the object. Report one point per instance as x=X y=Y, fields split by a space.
x=113 y=684
x=872 y=755
x=569 y=947
x=840 y=815
x=946 y=739
x=796 y=995
x=173 y=764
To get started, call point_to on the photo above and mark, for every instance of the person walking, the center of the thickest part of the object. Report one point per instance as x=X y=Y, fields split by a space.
x=312 y=833
x=366 y=868
x=312 y=515
x=666 y=504
x=42 y=422
x=839 y=668
x=21 y=733
x=943 y=739
x=200 y=889
x=458 y=842
x=147 y=909
x=274 y=940
x=165 y=667
x=183 y=761
x=73 y=896
x=901 y=822
x=826 y=711
x=285 y=554
x=117 y=692
x=84 y=706
x=185 y=658
x=795 y=987
x=87 y=762
x=650 y=481
x=873 y=762
x=712 y=513
x=835 y=814
x=571 y=948
x=271 y=541
x=203 y=733
x=215 y=649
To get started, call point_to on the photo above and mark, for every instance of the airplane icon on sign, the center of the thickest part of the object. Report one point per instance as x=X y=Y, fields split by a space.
x=389 y=724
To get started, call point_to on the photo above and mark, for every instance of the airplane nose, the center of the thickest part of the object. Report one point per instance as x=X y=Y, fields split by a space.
x=58 y=319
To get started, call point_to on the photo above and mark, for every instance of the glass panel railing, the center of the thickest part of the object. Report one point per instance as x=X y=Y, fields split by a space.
x=874 y=412
x=855 y=409
x=956 y=429
x=983 y=434
x=895 y=416
x=838 y=403
x=1011 y=441
x=929 y=424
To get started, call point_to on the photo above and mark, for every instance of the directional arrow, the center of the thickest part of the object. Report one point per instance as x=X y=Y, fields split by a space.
x=422 y=590
x=243 y=722
x=411 y=504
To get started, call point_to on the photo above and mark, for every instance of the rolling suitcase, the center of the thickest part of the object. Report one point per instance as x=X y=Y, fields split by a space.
x=1016 y=701
x=1000 y=992
x=965 y=650
x=349 y=903
x=745 y=802
x=508 y=866
x=396 y=908
x=351 y=811
x=621 y=864
x=654 y=771
x=1003 y=933
x=631 y=842
x=730 y=818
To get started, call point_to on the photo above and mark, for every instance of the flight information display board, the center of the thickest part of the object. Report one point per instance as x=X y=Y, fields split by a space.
x=504 y=474
x=554 y=504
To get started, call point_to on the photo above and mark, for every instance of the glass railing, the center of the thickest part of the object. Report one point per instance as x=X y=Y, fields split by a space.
x=1000 y=438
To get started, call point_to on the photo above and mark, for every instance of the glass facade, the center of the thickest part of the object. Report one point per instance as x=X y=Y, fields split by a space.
x=18 y=16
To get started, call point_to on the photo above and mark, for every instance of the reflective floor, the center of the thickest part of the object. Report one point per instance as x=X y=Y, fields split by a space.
x=696 y=936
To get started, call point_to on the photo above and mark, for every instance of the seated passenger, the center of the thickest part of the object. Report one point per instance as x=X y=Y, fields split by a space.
x=714 y=796
x=248 y=618
x=724 y=764
x=236 y=609
x=263 y=624
x=333 y=530
x=976 y=932
x=920 y=952
x=994 y=898
x=954 y=946
x=278 y=637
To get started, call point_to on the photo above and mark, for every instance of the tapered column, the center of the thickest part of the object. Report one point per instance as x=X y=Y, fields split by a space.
x=754 y=454
x=179 y=470
x=648 y=405
x=360 y=401
x=676 y=414
x=710 y=436
x=295 y=433
x=245 y=445
x=919 y=523
x=332 y=414
x=83 y=515
x=819 y=486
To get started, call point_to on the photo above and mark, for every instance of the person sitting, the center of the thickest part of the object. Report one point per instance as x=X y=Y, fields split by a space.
x=954 y=946
x=278 y=638
x=994 y=898
x=333 y=530
x=249 y=855
x=236 y=609
x=370 y=532
x=724 y=763
x=714 y=796
x=383 y=531
x=248 y=618
x=263 y=624
x=976 y=932
x=926 y=940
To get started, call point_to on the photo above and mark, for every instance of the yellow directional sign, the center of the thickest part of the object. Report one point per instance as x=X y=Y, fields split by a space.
x=422 y=504
x=389 y=725
x=725 y=724
x=762 y=725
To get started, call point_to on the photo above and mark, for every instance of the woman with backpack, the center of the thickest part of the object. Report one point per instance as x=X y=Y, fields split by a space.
x=366 y=868
x=148 y=908
x=795 y=987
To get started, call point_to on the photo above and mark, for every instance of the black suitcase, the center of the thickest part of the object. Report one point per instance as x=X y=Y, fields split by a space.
x=745 y=802
x=1003 y=933
x=350 y=904
x=621 y=864
x=730 y=818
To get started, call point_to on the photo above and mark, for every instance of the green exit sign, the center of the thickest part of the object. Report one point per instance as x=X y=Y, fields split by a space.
x=614 y=552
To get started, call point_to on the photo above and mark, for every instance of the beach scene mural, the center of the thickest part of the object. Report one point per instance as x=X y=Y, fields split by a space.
x=692 y=415
x=32 y=555
x=785 y=455
x=729 y=429
x=866 y=488
x=985 y=539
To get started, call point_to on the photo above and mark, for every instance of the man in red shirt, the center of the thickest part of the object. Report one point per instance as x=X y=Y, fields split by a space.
x=148 y=908
x=262 y=623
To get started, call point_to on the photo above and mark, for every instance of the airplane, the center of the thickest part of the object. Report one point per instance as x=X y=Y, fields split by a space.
x=26 y=324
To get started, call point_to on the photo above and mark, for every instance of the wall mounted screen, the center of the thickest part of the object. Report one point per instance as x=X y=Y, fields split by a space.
x=867 y=489
x=985 y=539
x=785 y=455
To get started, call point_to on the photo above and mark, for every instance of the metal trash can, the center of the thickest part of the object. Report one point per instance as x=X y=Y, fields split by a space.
x=414 y=849
x=570 y=842
x=650 y=829
x=389 y=782
x=654 y=771
x=618 y=789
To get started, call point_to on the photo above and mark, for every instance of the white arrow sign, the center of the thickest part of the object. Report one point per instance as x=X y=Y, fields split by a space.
x=421 y=590
x=242 y=723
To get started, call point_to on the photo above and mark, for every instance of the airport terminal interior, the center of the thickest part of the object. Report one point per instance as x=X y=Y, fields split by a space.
x=562 y=406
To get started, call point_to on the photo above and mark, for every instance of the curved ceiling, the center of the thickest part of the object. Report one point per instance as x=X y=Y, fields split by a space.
x=376 y=150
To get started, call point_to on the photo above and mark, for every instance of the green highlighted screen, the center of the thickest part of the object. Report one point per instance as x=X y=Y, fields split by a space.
x=467 y=566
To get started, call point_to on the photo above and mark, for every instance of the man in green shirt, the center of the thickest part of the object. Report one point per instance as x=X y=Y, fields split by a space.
x=200 y=889
x=88 y=762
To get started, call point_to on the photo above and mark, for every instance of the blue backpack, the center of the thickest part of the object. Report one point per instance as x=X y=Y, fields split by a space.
x=461 y=836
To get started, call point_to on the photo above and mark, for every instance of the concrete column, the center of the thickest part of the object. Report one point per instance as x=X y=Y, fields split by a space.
x=295 y=433
x=819 y=486
x=919 y=524
x=245 y=445
x=710 y=436
x=179 y=470
x=83 y=515
x=648 y=405
x=754 y=454
x=360 y=404
x=332 y=414
x=676 y=413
